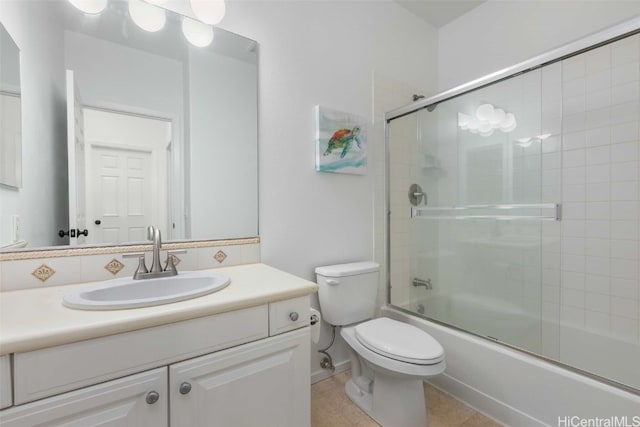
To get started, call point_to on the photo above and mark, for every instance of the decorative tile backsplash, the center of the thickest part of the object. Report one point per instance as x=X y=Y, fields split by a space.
x=114 y=266
x=43 y=272
x=88 y=266
x=220 y=256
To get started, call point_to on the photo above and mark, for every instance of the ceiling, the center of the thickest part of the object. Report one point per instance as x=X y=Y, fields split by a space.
x=439 y=12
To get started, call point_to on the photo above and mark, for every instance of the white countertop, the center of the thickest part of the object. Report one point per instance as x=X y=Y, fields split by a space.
x=35 y=318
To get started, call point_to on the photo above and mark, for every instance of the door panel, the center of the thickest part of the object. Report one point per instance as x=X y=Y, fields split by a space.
x=265 y=383
x=122 y=190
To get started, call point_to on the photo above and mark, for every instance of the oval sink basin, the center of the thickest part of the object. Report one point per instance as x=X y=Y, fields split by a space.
x=128 y=293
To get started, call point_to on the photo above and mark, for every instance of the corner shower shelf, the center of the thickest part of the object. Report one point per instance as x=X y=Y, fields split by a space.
x=529 y=212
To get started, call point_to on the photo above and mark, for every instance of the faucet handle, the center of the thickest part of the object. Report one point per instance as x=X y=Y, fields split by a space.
x=169 y=264
x=142 y=266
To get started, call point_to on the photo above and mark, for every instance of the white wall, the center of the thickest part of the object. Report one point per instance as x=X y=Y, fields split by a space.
x=43 y=98
x=134 y=76
x=223 y=131
x=500 y=33
x=322 y=52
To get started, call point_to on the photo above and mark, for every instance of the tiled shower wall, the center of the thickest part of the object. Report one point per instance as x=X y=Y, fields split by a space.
x=389 y=94
x=590 y=275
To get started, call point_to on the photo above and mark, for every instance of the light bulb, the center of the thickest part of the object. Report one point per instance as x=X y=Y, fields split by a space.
x=509 y=123
x=485 y=127
x=209 y=11
x=90 y=6
x=484 y=112
x=199 y=34
x=146 y=16
x=497 y=117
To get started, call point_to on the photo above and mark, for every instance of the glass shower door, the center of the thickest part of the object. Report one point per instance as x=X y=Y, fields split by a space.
x=467 y=210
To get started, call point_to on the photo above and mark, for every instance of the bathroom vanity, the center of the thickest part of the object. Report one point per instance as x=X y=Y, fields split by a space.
x=238 y=357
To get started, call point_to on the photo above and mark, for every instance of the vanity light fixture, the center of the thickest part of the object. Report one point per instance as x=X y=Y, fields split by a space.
x=91 y=7
x=487 y=118
x=147 y=16
x=209 y=11
x=197 y=33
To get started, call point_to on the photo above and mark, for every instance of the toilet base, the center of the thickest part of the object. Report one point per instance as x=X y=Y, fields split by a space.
x=394 y=402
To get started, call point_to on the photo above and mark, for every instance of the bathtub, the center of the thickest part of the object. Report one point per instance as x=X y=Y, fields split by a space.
x=514 y=387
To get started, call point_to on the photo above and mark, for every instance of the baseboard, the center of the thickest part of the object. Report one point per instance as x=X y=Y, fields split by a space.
x=483 y=403
x=322 y=374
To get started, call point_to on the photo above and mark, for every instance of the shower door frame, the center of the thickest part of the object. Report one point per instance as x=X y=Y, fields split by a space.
x=585 y=44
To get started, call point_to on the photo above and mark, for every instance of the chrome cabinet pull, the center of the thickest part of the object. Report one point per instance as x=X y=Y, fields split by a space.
x=185 y=388
x=152 y=397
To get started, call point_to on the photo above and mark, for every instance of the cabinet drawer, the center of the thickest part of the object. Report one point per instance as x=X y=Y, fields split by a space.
x=55 y=370
x=5 y=382
x=283 y=313
x=120 y=402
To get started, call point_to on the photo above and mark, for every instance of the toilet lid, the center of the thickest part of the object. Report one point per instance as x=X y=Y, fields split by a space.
x=399 y=341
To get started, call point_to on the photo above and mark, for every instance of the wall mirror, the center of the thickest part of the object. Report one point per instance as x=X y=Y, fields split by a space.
x=125 y=127
x=10 y=112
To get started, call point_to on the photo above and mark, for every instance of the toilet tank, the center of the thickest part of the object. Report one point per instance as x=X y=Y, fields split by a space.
x=348 y=292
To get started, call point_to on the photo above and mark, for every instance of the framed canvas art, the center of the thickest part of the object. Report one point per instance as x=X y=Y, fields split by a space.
x=340 y=142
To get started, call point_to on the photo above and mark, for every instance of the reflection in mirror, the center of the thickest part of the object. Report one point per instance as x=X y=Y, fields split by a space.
x=10 y=136
x=130 y=128
x=10 y=113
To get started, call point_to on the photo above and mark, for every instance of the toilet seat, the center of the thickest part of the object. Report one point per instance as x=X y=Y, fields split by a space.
x=380 y=361
x=399 y=341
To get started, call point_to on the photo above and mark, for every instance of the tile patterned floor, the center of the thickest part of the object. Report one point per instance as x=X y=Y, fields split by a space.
x=330 y=407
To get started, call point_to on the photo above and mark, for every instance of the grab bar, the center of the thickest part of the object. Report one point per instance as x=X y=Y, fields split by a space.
x=524 y=211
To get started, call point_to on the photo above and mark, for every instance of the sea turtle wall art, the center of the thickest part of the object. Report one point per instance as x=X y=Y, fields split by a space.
x=340 y=142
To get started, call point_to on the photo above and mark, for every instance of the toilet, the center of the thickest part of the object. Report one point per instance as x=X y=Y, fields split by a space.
x=389 y=359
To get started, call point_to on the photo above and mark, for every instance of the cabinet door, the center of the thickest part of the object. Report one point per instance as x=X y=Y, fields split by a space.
x=125 y=402
x=6 y=397
x=262 y=384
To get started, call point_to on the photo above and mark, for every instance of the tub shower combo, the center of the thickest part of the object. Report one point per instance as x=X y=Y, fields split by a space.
x=513 y=207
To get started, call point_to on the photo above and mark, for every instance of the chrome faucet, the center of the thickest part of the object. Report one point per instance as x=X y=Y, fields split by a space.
x=153 y=234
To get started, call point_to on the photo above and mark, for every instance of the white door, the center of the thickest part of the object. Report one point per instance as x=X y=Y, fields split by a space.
x=126 y=175
x=120 y=183
x=128 y=401
x=264 y=383
x=76 y=163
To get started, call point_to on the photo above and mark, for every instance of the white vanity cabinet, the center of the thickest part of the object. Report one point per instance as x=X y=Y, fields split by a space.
x=219 y=370
x=264 y=383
